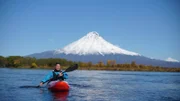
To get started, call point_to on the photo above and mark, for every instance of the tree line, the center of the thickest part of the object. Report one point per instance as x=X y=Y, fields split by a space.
x=29 y=62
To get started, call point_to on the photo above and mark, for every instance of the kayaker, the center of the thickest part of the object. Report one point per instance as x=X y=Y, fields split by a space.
x=56 y=74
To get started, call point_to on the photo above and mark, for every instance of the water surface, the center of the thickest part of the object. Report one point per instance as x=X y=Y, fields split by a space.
x=91 y=86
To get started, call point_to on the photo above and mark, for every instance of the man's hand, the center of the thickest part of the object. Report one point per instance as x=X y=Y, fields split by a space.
x=41 y=84
x=60 y=74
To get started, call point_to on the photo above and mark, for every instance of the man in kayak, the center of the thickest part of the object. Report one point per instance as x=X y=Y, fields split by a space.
x=56 y=74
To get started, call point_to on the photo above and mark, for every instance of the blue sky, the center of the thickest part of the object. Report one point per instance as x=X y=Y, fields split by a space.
x=148 y=27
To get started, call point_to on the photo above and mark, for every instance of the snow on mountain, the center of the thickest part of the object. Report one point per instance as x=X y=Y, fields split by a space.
x=93 y=44
x=171 y=60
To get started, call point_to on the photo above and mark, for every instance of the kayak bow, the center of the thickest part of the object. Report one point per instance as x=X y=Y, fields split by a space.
x=58 y=86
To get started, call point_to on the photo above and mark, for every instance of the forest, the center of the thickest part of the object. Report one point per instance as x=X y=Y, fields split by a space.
x=49 y=63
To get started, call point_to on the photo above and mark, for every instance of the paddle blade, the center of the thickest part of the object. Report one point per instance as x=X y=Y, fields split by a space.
x=72 y=68
x=29 y=86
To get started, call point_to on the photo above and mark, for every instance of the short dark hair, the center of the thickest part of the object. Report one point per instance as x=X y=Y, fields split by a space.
x=57 y=63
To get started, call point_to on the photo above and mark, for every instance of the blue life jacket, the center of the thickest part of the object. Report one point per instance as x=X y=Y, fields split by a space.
x=55 y=76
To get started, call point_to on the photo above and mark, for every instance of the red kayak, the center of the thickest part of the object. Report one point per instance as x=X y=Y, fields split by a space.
x=58 y=86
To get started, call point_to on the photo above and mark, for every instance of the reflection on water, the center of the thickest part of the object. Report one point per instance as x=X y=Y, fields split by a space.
x=54 y=96
x=60 y=96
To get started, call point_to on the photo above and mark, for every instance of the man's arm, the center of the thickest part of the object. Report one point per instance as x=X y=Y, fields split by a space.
x=46 y=78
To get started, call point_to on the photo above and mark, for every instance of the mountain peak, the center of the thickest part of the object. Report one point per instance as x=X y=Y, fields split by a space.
x=92 y=34
x=93 y=44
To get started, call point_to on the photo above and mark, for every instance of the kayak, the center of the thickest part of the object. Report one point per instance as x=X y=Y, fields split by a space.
x=58 y=86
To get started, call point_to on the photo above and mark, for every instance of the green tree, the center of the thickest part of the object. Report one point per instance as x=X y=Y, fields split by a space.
x=34 y=65
x=100 y=64
x=14 y=61
x=108 y=64
x=113 y=63
x=2 y=61
x=133 y=64
x=89 y=64
x=141 y=66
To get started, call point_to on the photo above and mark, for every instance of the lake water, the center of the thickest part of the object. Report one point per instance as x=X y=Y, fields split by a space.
x=92 y=86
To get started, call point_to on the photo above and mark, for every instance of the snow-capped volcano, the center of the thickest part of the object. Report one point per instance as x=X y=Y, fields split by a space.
x=93 y=48
x=93 y=44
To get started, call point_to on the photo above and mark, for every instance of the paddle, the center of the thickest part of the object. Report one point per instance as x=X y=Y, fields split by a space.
x=71 y=68
x=29 y=86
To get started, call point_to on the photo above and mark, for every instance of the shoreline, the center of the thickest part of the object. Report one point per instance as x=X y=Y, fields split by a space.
x=104 y=69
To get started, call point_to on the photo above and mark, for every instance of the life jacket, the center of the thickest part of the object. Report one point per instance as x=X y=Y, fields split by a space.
x=56 y=77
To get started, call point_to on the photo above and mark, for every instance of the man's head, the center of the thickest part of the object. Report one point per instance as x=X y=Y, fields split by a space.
x=58 y=66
